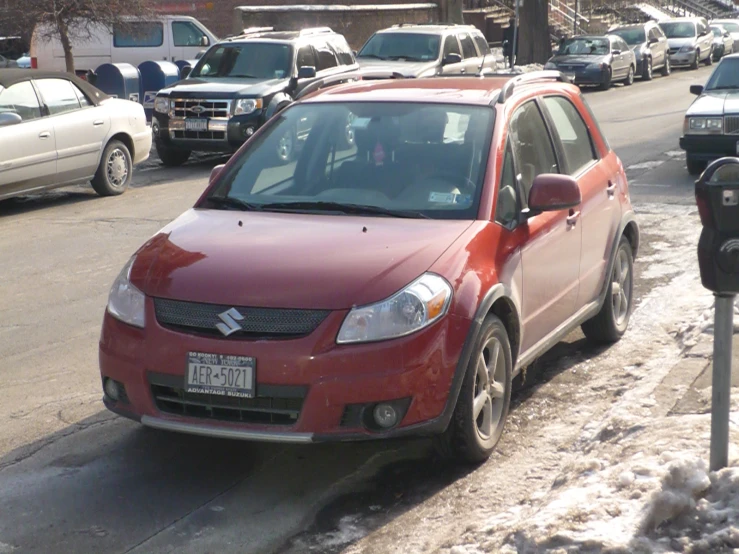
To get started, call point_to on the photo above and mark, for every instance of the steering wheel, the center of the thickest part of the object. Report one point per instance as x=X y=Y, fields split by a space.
x=467 y=187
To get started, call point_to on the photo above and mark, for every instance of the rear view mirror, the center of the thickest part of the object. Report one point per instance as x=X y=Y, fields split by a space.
x=215 y=172
x=552 y=192
x=204 y=41
x=10 y=118
x=696 y=89
x=451 y=58
x=306 y=72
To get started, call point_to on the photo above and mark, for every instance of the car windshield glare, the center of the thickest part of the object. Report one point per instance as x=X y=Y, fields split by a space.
x=731 y=26
x=253 y=60
x=411 y=46
x=403 y=159
x=633 y=36
x=584 y=47
x=725 y=76
x=679 y=29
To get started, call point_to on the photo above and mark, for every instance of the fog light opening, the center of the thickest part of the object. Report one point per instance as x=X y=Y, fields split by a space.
x=385 y=416
x=248 y=131
x=113 y=389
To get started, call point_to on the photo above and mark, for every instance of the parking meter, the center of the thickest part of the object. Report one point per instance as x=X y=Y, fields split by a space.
x=717 y=196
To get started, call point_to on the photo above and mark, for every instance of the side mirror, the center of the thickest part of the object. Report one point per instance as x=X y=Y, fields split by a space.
x=204 y=41
x=552 y=192
x=451 y=58
x=696 y=89
x=616 y=52
x=185 y=72
x=306 y=72
x=215 y=172
x=10 y=118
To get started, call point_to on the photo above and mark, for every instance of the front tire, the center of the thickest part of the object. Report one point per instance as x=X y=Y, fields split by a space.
x=667 y=68
x=610 y=323
x=482 y=407
x=630 y=77
x=695 y=167
x=696 y=60
x=171 y=157
x=114 y=172
x=647 y=73
x=606 y=84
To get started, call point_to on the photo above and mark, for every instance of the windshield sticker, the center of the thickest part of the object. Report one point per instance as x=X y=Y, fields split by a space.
x=279 y=74
x=450 y=198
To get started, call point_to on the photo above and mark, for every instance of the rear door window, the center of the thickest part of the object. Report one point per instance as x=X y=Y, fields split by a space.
x=326 y=57
x=468 y=47
x=138 y=35
x=482 y=44
x=572 y=132
x=58 y=95
x=21 y=99
x=342 y=49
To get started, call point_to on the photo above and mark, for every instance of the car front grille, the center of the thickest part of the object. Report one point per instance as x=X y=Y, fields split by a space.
x=193 y=317
x=272 y=404
x=200 y=135
x=206 y=109
x=674 y=51
x=731 y=124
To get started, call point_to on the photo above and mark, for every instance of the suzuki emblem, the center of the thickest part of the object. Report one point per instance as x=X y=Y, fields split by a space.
x=229 y=325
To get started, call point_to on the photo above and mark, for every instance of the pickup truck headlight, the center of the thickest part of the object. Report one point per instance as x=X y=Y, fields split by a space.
x=704 y=125
x=418 y=305
x=245 y=106
x=161 y=104
x=126 y=302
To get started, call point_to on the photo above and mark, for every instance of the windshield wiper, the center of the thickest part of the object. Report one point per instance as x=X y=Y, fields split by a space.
x=725 y=87
x=242 y=76
x=406 y=58
x=352 y=209
x=231 y=202
x=371 y=56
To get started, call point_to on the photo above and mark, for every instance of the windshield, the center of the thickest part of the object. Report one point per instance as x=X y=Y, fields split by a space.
x=370 y=158
x=253 y=60
x=726 y=75
x=731 y=26
x=408 y=46
x=631 y=36
x=584 y=46
x=678 y=29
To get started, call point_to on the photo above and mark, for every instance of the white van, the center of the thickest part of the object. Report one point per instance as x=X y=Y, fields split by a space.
x=168 y=38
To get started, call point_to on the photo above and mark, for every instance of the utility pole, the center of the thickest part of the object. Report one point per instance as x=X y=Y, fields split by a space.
x=577 y=14
x=514 y=46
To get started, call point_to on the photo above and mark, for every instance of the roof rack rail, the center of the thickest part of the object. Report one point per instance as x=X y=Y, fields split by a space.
x=333 y=80
x=251 y=31
x=315 y=31
x=532 y=77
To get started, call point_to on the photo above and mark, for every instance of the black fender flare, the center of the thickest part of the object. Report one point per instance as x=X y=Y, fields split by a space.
x=628 y=220
x=279 y=101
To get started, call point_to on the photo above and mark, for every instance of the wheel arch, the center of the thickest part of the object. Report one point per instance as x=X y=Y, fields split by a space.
x=505 y=310
x=127 y=141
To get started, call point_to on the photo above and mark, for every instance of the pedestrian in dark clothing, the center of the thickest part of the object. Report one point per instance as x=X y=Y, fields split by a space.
x=508 y=50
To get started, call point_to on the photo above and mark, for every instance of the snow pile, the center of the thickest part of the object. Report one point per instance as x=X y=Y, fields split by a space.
x=653 y=12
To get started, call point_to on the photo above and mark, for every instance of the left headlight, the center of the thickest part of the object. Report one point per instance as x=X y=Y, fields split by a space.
x=418 y=305
x=161 y=104
x=126 y=302
x=245 y=106
x=704 y=125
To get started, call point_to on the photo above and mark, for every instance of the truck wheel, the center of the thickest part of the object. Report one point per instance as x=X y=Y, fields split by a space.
x=114 y=172
x=695 y=167
x=610 y=323
x=482 y=406
x=171 y=157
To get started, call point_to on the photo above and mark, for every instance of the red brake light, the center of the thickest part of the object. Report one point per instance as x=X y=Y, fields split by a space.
x=34 y=62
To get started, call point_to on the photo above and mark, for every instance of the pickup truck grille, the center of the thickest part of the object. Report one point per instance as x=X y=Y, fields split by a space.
x=208 y=109
x=731 y=125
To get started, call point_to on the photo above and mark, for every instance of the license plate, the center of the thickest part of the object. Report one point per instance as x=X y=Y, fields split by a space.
x=220 y=374
x=196 y=124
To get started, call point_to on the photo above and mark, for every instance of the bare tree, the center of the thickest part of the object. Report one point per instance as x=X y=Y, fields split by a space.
x=72 y=20
x=534 y=43
x=451 y=11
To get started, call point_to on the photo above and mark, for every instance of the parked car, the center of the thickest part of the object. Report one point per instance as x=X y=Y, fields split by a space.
x=57 y=130
x=650 y=47
x=711 y=128
x=6 y=63
x=426 y=50
x=595 y=60
x=24 y=62
x=170 y=37
x=731 y=25
x=387 y=288
x=239 y=84
x=690 y=41
x=723 y=43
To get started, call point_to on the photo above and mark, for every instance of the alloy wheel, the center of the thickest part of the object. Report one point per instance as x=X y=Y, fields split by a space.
x=489 y=400
x=621 y=288
x=117 y=168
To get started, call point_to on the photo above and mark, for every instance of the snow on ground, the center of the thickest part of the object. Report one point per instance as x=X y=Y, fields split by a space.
x=653 y=12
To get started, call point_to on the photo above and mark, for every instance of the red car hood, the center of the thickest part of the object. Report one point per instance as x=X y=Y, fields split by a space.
x=289 y=260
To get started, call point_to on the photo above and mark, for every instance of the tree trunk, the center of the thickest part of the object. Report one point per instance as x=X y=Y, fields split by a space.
x=66 y=45
x=534 y=43
x=451 y=11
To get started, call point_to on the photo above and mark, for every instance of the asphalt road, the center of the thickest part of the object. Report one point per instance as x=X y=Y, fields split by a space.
x=74 y=478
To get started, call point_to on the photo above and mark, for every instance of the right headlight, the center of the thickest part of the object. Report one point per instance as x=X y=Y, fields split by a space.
x=415 y=307
x=161 y=104
x=704 y=125
x=126 y=302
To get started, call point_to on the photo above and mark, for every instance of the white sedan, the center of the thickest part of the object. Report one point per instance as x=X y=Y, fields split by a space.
x=58 y=130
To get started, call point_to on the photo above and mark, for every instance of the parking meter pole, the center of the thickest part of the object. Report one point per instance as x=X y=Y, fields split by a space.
x=514 y=46
x=723 y=330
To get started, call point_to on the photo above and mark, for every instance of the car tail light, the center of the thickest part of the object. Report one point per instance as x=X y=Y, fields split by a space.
x=34 y=62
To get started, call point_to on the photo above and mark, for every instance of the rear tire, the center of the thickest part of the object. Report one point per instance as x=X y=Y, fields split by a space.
x=171 y=157
x=647 y=71
x=630 y=77
x=482 y=407
x=114 y=172
x=695 y=167
x=610 y=323
x=667 y=68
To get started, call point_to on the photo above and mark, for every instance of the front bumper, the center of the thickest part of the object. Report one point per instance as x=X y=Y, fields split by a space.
x=141 y=146
x=710 y=147
x=217 y=135
x=680 y=59
x=587 y=76
x=337 y=381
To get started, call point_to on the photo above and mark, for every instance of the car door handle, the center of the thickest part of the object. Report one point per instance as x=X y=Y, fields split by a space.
x=572 y=218
x=98 y=122
x=44 y=135
x=611 y=189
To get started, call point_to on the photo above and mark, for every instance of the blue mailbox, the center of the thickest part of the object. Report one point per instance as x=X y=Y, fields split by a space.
x=182 y=64
x=119 y=80
x=154 y=77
